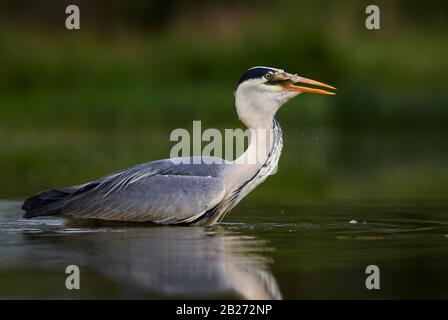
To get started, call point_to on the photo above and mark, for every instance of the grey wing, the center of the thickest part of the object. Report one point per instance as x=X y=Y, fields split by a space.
x=159 y=192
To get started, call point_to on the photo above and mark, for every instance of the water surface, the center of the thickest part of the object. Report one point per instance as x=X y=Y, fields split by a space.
x=259 y=252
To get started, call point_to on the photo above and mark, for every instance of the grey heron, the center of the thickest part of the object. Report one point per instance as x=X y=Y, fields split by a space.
x=198 y=192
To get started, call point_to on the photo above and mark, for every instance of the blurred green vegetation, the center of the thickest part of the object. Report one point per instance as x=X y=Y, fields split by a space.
x=75 y=105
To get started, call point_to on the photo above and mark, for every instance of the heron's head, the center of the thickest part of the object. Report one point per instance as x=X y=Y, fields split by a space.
x=261 y=91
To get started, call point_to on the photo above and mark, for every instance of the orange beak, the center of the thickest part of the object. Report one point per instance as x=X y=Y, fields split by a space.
x=288 y=81
x=292 y=87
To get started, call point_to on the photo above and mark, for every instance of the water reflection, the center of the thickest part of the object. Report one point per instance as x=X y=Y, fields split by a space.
x=319 y=254
x=149 y=262
x=186 y=262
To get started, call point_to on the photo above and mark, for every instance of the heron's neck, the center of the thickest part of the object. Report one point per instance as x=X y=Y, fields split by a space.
x=257 y=112
x=261 y=144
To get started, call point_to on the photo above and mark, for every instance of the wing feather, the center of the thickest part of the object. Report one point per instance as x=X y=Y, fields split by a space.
x=147 y=194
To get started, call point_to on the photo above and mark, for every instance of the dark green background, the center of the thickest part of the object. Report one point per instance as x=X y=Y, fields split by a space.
x=75 y=105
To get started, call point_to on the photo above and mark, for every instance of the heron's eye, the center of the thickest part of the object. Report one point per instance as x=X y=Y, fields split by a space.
x=268 y=75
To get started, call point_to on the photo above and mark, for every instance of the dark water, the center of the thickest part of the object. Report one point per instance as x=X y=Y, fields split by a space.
x=259 y=252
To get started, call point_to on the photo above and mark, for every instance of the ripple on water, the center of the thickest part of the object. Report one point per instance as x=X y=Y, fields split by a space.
x=87 y=230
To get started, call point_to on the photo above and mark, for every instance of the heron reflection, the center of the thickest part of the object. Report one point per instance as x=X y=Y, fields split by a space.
x=194 y=262
x=168 y=262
